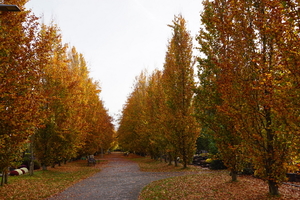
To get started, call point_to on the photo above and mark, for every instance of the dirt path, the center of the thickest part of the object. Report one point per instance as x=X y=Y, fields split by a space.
x=120 y=179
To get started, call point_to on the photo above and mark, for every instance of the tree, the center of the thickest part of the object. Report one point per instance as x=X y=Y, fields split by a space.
x=100 y=131
x=155 y=115
x=255 y=74
x=51 y=56
x=208 y=96
x=132 y=134
x=141 y=125
x=178 y=84
x=19 y=84
x=76 y=123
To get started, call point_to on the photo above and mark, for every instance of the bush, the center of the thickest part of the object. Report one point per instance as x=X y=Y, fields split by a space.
x=248 y=170
x=26 y=161
x=217 y=164
x=37 y=165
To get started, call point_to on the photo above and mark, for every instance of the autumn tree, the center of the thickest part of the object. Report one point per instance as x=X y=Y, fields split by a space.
x=100 y=130
x=178 y=84
x=19 y=83
x=208 y=97
x=131 y=133
x=155 y=115
x=141 y=124
x=157 y=118
x=94 y=125
x=76 y=123
x=257 y=79
x=51 y=57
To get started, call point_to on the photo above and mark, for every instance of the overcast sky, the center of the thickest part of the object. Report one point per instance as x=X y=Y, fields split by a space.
x=118 y=38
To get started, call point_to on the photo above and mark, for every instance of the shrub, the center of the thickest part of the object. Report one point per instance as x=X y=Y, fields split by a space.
x=248 y=170
x=26 y=161
x=217 y=164
x=37 y=165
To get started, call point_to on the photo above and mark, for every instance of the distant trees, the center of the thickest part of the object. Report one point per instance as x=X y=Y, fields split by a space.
x=158 y=114
x=132 y=132
x=76 y=121
x=45 y=91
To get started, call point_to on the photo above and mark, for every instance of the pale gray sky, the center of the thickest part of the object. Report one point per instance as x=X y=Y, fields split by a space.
x=118 y=38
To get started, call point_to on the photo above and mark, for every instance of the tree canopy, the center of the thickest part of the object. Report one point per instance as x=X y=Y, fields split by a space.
x=46 y=95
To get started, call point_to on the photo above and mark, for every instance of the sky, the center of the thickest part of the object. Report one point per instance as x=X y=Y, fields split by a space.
x=118 y=38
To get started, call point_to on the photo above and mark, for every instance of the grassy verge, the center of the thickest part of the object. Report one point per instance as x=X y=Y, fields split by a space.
x=43 y=184
x=215 y=185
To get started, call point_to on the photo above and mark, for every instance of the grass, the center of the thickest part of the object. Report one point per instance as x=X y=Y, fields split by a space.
x=44 y=184
x=207 y=184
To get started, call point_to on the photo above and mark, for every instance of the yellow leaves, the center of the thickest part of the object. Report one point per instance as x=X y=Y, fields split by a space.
x=257 y=80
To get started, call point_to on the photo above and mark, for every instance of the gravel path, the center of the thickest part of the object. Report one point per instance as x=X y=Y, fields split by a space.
x=120 y=179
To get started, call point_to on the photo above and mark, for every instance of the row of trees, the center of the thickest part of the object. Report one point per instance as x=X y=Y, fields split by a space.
x=249 y=84
x=157 y=116
x=247 y=98
x=46 y=95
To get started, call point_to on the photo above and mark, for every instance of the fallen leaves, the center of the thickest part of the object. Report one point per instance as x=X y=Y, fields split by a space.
x=215 y=185
x=44 y=184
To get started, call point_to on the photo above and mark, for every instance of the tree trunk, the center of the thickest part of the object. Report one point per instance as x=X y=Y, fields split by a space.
x=44 y=167
x=184 y=151
x=5 y=175
x=273 y=188
x=31 y=165
x=170 y=159
x=31 y=168
x=184 y=160
x=175 y=161
x=233 y=175
x=2 y=179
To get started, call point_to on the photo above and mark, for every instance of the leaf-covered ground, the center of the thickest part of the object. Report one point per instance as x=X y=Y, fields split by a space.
x=46 y=183
x=199 y=184
x=207 y=185
x=216 y=185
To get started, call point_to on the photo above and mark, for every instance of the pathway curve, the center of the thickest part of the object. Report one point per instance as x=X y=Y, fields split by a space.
x=120 y=179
